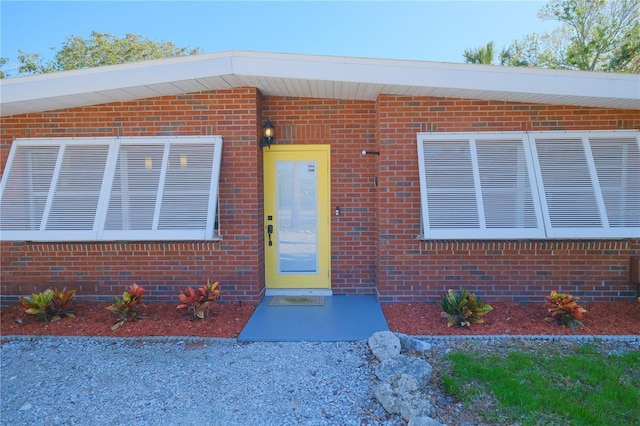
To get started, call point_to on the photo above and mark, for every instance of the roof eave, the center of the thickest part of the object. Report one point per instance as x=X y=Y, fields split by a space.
x=315 y=76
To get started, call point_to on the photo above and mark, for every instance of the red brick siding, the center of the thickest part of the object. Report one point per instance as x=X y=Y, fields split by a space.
x=373 y=240
x=349 y=127
x=410 y=270
x=103 y=269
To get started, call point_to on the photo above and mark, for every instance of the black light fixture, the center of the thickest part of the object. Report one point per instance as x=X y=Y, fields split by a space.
x=368 y=151
x=268 y=133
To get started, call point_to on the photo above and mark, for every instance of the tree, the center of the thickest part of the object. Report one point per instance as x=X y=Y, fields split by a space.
x=98 y=50
x=486 y=55
x=594 y=35
x=3 y=61
x=480 y=55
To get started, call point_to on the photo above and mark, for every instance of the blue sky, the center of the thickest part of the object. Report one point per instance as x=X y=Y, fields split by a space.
x=418 y=30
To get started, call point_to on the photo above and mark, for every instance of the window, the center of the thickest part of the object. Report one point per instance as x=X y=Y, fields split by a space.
x=530 y=185
x=111 y=189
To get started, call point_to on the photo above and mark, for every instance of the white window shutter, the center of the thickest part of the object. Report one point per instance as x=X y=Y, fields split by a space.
x=187 y=185
x=111 y=189
x=505 y=169
x=132 y=201
x=617 y=163
x=78 y=185
x=449 y=185
x=477 y=186
x=26 y=187
x=164 y=189
x=566 y=180
x=588 y=183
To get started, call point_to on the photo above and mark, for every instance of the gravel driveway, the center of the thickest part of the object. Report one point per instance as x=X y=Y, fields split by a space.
x=94 y=381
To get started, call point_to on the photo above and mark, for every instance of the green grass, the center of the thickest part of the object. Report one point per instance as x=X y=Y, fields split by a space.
x=584 y=387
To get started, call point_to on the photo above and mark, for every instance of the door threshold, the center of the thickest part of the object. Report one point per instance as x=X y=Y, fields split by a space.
x=298 y=292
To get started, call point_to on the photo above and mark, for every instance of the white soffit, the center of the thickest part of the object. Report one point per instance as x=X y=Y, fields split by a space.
x=297 y=75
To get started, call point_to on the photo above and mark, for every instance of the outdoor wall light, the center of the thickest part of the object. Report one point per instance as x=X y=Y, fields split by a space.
x=366 y=151
x=268 y=133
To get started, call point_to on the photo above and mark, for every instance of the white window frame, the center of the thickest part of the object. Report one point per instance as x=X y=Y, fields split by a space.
x=537 y=176
x=101 y=173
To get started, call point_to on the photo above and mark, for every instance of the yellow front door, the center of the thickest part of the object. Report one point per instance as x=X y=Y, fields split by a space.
x=297 y=234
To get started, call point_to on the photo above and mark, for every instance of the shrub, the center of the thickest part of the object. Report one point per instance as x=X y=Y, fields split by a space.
x=61 y=304
x=563 y=309
x=462 y=308
x=126 y=307
x=50 y=305
x=199 y=301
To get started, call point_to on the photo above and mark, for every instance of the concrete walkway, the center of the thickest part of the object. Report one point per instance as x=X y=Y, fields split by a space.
x=341 y=318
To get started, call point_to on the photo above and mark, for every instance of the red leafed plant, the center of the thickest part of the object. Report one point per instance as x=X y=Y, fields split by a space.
x=126 y=307
x=199 y=301
x=61 y=303
x=564 y=309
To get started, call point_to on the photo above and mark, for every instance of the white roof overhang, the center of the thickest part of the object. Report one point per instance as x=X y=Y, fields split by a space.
x=312 y=76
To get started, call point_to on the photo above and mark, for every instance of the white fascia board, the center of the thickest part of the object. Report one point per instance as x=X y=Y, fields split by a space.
x=112 y=77
x=35 y=93
x=520 y=80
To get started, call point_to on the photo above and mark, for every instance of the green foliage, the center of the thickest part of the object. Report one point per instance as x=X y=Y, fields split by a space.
x=50 y=305
x=594 y=35
x=545 y=387
x=601 y=35
x=126 y=307
x=38 y=304
x=199 y=301
x=563 y=309
x=462 y=308
x=3 y=62
x=98 y=50
x=486 y=55
x=61 y=304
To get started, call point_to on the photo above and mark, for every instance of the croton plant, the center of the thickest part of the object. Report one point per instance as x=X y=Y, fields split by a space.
x=564 y=309
x=463 y=308
x=50 y=305
x=126 y=307
x=199 y=301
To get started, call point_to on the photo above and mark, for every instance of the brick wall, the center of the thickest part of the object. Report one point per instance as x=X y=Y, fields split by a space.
x=374 y=249
x=349 y=127
x=100 y=270
x=409 y=269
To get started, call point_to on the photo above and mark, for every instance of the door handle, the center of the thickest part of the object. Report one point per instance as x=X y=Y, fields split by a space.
x=269 y=232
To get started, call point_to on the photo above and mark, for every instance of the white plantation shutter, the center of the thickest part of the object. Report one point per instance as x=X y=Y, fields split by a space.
x=26 y=187
x=77 y=188
x=477 y=186
x=569 y=192
x=617 y=162
x=111 y=189
x=187 y=182
x=450 y=185
x=505 y=170
x=589 y=183
x=537 y=185
x=132 y=201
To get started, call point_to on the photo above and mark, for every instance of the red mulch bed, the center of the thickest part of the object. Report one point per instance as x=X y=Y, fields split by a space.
x=228 y=320
x=161 y=319
x=615 y=318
